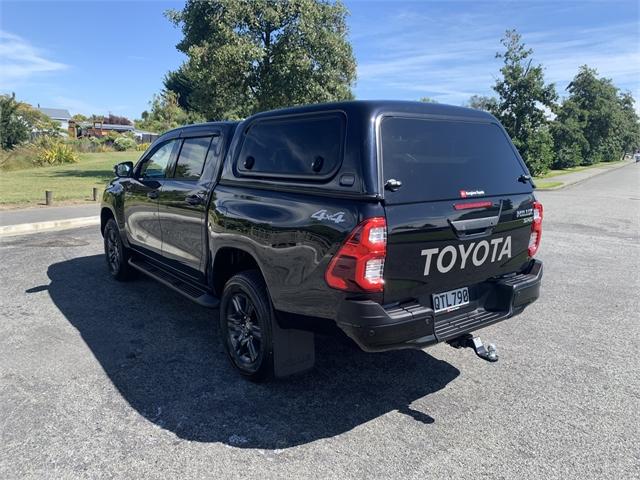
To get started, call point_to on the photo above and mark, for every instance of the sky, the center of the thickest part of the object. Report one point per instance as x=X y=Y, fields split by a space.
x=100 y=57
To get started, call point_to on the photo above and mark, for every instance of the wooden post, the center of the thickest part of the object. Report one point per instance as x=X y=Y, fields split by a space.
x=48 y=197
x=94 y=194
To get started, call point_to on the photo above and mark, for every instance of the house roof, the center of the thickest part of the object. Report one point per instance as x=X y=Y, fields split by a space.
x=111 y=126
x=56 y=113
x=108 y=126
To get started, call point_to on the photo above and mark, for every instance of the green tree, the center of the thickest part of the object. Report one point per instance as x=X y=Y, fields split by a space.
x=539 y=149
x=428 y=100
x=178 y=82
x=246 y=56
x=165 y=114
x=481 y=102
x=630 y=132
x=595 y=123
x=523 y=96
x=19 y=119
x=13 y=129
x=570 y=145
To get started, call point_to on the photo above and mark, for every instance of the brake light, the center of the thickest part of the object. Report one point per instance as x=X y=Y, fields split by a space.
x=359 y=263
x=471 y=205
x=536 y=229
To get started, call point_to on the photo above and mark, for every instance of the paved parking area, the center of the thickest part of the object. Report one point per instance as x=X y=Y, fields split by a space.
x=102 y=380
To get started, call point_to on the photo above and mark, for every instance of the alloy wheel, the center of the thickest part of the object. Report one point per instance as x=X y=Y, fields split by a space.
x=113 y=251
x=243 y=330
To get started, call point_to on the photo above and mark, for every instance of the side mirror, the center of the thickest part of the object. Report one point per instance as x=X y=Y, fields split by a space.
x=123 y=170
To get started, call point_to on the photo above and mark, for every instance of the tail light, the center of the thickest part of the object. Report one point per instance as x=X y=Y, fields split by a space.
x=536 y=229
x=359 y=264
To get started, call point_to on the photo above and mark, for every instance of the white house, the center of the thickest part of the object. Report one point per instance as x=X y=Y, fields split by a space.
x=59 y=114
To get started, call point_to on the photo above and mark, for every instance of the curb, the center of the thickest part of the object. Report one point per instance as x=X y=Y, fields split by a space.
x=576 y=182
x=53 y=225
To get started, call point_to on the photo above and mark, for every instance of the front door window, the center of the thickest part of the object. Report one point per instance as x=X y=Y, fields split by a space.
x=156 y=165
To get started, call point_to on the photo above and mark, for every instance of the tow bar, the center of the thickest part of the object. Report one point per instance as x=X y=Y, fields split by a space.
x=469 y=341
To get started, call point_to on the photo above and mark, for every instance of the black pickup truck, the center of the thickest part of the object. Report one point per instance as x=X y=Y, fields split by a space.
x=402 y=223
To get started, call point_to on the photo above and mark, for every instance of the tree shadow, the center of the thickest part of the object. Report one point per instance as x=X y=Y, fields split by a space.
x=164 y=356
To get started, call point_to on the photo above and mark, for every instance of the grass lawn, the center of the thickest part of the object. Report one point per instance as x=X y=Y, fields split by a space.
x=72 y=182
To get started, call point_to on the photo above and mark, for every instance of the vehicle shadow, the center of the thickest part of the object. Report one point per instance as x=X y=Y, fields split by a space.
x=164 y=356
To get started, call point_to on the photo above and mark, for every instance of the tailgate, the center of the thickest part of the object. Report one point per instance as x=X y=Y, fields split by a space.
x=457 y=203
x=433 y=248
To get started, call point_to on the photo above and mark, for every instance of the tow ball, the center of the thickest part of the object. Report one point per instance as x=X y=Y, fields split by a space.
x=487 y=353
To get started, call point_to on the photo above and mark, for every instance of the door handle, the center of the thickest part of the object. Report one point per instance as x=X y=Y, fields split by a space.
x=194 y=199
x=476 y=228
x=463 y=226
x=153 y=194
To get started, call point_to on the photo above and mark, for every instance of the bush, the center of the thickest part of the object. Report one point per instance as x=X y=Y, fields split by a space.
x=18 y=158
x=568 y=156
x=56 y=153
x=123 y=143
x=82 y=145
x=141 y=147
x=103 y=147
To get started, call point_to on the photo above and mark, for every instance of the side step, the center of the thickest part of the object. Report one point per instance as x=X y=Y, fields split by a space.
x=189 y=290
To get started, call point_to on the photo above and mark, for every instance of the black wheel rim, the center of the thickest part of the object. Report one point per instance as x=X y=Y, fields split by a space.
x=243 y=331
x=113 y=251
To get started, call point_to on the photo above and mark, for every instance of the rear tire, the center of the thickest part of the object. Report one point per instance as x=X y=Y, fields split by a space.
x=246 y=319
x=116 y=254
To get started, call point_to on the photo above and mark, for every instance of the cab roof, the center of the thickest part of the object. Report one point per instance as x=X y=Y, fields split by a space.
x=372 y=108
x=198 y=129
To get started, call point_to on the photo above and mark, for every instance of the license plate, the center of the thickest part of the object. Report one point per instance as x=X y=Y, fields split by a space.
x=451 y=300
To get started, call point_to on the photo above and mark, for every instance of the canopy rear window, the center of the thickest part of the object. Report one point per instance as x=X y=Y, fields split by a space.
x=438 y=160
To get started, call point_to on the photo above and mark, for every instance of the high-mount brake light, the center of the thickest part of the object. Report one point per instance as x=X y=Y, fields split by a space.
x=536 y=229
x=359 y=263
x=470 y=205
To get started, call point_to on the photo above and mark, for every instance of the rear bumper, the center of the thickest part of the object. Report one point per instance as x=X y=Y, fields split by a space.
x=375 y=328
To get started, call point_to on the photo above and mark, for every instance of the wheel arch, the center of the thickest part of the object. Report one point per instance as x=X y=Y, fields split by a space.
x=105 y=214
x=228 y=261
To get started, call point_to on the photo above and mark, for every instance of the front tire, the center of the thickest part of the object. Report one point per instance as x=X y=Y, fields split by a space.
x=117 y=255
x=246 y=319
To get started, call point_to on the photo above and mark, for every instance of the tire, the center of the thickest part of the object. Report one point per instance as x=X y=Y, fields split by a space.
x=116 y=254
x=246 y=319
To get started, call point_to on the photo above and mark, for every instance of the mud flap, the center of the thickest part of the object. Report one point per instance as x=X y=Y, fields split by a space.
x=293 y=351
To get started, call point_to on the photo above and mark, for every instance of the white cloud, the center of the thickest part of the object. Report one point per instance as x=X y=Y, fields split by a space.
x=75 y=105
x=20 y=61
x=451 y=56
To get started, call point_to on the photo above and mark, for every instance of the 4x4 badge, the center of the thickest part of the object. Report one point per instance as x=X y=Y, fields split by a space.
x=337 y=217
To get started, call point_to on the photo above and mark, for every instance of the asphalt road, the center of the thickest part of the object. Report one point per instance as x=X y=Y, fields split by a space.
x=101 y=380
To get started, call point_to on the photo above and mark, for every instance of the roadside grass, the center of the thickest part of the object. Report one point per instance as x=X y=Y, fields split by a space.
x=555 y=173
x=70 y=182
x=543 y=185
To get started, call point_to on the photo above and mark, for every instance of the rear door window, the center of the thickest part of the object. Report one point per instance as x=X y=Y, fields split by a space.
x=296 y=147
x=191 y=159
x=439 y=160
